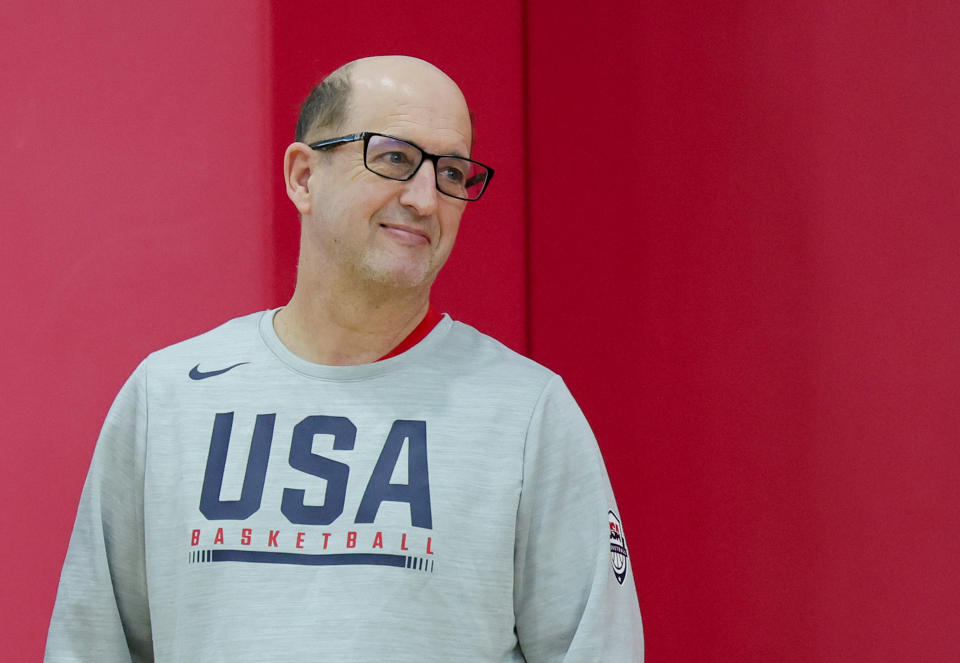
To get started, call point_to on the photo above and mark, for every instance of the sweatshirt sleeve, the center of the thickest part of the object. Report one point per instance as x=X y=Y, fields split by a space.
x=101 y=611
x=575 y=599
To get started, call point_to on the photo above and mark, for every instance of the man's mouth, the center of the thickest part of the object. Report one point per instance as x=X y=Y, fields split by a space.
x=407 y=234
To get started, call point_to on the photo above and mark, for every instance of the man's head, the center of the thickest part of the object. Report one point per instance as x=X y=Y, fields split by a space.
x=358 y=227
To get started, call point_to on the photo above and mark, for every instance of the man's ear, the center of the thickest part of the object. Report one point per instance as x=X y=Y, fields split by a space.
x=298 y=163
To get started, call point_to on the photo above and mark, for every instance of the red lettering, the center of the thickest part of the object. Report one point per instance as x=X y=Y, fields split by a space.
x=272 y=539
x=403 y=542
x=429 y=541
x=351 y=539
x=300 y=536
x=219 y=537
x=245 y=537
x=195 y=537
x=378 y=540
x=326 y=537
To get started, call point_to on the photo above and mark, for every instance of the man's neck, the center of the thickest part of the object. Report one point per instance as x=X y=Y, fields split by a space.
x=343 y=331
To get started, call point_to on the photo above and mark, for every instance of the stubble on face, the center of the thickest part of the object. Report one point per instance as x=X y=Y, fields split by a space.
x=382 y=261
x=386 y=268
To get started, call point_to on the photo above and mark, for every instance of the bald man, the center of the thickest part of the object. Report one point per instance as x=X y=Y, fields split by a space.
x=352 y=477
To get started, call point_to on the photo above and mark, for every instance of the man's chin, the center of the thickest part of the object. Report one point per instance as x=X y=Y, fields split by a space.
x=399 y=274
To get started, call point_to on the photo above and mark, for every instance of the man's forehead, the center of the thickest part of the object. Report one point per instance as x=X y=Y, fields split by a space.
x=405 y=92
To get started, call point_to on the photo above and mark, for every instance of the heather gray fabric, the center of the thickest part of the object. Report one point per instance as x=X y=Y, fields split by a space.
x=447 y=504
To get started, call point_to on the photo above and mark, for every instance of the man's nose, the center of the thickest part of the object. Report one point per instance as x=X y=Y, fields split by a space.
x=420 y=191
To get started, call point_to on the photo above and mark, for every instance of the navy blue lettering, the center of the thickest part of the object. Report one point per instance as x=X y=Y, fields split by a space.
x=302 y=458
x=417 y=492
x=211 y=505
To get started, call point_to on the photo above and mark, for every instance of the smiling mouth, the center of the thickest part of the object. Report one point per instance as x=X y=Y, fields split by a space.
x=406 y=234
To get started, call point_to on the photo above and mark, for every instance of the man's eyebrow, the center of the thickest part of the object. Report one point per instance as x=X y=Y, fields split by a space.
x=454 y=153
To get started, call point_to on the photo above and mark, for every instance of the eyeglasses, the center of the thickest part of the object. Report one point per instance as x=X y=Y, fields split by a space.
x=400 y=160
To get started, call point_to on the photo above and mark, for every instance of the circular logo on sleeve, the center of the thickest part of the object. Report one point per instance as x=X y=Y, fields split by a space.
x=618 y=548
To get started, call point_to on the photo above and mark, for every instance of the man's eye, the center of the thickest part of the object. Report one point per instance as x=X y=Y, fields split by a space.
x=397 y=157
x=453 y=174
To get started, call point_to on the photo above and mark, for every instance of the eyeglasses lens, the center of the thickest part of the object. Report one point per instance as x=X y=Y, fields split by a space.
x=397 y=159
x=392 y=158
x=460 y=178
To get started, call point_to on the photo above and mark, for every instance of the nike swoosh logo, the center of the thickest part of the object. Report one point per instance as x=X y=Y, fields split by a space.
x=197 y=374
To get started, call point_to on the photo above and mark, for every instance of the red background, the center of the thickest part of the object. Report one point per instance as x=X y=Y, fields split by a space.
x=732 y=227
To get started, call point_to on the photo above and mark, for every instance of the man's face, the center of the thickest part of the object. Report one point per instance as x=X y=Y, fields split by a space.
x=376 y=231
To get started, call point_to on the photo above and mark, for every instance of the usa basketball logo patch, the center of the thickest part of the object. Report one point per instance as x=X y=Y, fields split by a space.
x=618 y=548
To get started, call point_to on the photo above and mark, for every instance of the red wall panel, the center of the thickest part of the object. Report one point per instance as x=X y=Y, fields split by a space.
x=134 y=195
x=743 y=238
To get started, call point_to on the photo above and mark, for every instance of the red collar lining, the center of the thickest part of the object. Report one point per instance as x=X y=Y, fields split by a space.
x=430 y=320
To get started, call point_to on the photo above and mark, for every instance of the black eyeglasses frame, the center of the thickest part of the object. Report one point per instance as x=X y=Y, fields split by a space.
x=365 y=136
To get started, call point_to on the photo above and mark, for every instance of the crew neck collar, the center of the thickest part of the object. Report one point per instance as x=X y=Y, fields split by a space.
x=354 y=372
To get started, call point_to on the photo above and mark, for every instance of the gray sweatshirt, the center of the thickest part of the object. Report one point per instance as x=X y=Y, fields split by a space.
x=446 y=504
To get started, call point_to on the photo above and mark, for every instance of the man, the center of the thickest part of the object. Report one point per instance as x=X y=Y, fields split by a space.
x=352 y=477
